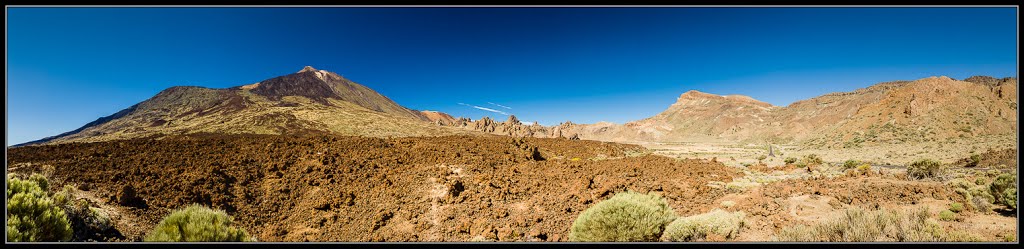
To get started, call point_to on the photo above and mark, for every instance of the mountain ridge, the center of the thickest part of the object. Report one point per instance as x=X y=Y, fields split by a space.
x=832 y=119
x=309 y=100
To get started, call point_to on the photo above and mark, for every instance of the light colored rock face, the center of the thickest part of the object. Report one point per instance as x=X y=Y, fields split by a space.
x=439 y=118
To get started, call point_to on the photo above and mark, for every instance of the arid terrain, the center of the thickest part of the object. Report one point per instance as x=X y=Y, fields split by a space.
x=312 y=156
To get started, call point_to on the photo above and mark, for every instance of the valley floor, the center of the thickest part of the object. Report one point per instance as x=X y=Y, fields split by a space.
x=479 y=188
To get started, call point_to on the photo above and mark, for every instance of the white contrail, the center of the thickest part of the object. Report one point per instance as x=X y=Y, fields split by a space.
x=506 y=107
x=485 y=109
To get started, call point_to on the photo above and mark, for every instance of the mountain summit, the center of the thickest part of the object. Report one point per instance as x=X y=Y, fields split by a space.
x=307 y=69
x=320 y=85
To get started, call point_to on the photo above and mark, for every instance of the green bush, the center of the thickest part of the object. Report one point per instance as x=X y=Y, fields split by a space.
x=924 y=168
x=697 y=227
x=40 y=180
x=32 y=214
x=977 y=196
x=849 y=164
x=947 y=215
x=790 y=160
x=65 y=196
x=975 y=159
x=626 y=216
x=197 y=224
x=1004 y=190
x=956 y=207
x=1010 y=198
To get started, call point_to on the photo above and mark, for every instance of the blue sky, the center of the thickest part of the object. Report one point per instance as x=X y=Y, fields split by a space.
x=69 y=66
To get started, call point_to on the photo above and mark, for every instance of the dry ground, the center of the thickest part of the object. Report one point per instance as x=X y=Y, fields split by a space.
x=463 y=188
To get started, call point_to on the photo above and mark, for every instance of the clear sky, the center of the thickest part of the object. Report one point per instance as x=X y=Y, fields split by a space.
x=69 y=66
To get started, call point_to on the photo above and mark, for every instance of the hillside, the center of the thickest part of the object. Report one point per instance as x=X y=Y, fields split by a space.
x=928 y=109
x=309 y=101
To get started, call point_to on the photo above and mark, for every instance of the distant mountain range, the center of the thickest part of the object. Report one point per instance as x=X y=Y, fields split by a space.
x=927 y=109
x=318 y=101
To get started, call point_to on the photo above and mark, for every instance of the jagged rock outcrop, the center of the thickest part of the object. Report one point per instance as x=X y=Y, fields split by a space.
x=512 y=127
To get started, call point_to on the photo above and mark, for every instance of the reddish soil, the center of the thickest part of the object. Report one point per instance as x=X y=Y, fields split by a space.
x=331 y=188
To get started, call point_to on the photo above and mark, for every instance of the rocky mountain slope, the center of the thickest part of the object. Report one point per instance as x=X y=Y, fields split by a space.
x=308 y=101
x=895 y=112
x=438 y=118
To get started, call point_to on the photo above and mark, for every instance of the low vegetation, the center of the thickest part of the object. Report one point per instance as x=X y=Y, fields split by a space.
x=626 y=217
x=790 y=160
x=1004 y=190
x=718 y=223
x=974 y=160
x=32 y=214
x=858 y=225
x=924 y=168
x=956 y=207
x=977 y=197
x=197 y=224
x=849 y=164
x=813 y=160
x=947 y=215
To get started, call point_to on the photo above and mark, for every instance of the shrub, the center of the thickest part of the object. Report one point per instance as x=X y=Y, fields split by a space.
x=981 y=204
x=761 y=158
x=790 y=160
x=626 y=216
x=812 y=160
x=40 y=180
x=97 y=220
x=947 y=215
x=960 y=183
x=956 y=207
x=857 y=225
x=979 y=181
x=1009 y=198
x=195 y=224
x=864 y=169
x=697 y=227
x=983 y=193
x=849 y=164
x=1004 y=190
x=65 y=196
x=32 y=214
x=924 y=168
x=975 y=159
